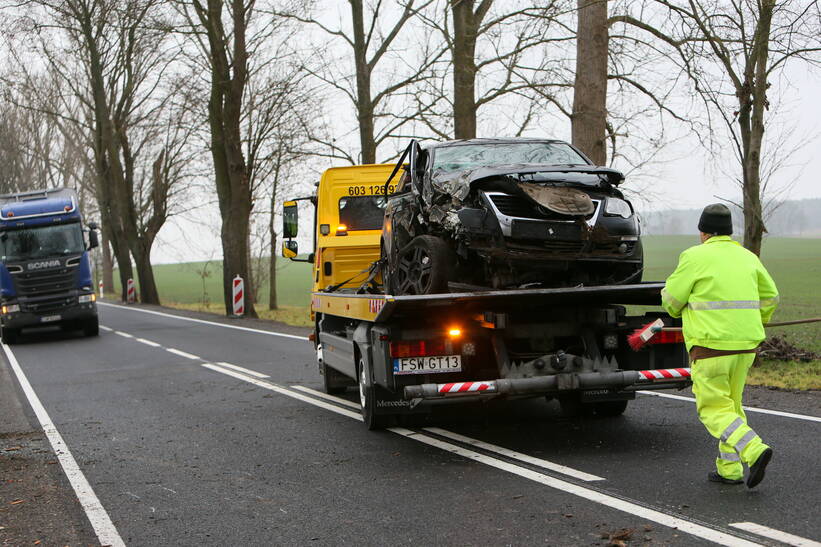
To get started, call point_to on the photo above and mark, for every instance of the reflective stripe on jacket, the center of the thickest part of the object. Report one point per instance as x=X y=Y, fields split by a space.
x=723 y=295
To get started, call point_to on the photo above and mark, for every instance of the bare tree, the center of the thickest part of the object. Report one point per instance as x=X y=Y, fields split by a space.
x=731 y=52
x=371 y=48
x=504 y=49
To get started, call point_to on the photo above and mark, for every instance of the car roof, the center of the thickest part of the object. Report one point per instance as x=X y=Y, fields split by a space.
x=494 y=140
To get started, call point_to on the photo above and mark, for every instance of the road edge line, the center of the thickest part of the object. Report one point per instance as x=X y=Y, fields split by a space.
x=203 y=321
x=94 y=510
x=777 y=535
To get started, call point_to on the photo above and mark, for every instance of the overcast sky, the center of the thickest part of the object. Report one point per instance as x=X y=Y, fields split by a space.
x=684 y=177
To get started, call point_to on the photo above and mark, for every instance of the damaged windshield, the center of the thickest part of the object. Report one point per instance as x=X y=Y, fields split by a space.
x=41 y=242
x=471 y=156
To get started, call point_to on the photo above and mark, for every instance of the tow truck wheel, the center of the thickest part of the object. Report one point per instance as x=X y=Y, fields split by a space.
x=91 y=327
x=610 y=408
x=9 y=336
x=423 y=267
x=368 y=400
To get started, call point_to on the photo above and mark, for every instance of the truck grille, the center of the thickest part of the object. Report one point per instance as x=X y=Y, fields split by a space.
x=45 y=282
x=49 y=304
x=516 y=206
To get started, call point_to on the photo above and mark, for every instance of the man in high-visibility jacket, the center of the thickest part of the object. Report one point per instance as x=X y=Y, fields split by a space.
x=724 y=296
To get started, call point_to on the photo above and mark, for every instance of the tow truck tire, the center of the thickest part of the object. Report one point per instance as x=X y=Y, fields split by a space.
x=367 y=398
x=91 y=327
x=610 y=408
x=9 y=336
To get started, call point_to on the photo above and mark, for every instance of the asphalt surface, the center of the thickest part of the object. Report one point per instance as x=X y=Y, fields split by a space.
x=180 y=453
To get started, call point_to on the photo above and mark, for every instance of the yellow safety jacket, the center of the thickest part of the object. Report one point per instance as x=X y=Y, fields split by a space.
x=723 y=295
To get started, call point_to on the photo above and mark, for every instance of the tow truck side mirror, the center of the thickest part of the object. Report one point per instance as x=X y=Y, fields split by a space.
x=93 y=240
x=290 y=249
x=290 y=219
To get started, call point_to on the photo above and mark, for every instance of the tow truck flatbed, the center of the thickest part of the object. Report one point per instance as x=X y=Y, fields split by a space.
x=380 y=308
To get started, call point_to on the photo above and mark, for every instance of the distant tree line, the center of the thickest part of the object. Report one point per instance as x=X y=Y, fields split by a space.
x=146 y=106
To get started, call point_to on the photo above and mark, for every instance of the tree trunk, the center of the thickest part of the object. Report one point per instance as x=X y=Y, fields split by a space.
x=757 y=92
x=108 y=263
x=589 y=118
x=364 y=103
x=272 y=263
x=464 y=69
x=145 y=273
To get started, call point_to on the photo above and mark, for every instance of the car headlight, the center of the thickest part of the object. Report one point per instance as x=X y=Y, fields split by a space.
x=11 y=309
x=86 y=298
x=616 y=206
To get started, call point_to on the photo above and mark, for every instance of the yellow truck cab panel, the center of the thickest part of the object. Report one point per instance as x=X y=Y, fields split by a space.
x=349 y=222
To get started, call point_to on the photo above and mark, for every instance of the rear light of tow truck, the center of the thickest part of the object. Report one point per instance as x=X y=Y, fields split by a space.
x=667 y=337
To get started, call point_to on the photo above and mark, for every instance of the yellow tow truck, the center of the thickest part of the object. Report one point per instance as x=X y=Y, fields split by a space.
x=408 y=353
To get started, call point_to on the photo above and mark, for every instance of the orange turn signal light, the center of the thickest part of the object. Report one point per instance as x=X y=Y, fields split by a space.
x=341 y=230
x=454 y=332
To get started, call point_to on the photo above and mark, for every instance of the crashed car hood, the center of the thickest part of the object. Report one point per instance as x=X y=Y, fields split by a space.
x=459 y=183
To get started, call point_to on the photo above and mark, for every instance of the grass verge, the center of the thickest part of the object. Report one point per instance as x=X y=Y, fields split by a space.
x=297 y=316
x=785 y=374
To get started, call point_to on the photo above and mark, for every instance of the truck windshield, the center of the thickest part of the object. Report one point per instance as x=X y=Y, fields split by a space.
x=41 y=242
x=471 y=156
x=362 y=213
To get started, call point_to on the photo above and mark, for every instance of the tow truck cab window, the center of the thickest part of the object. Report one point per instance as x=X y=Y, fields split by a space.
x=362 y=212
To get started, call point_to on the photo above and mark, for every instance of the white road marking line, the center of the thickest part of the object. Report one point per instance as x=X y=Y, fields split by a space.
x=123 y=334
x=777 y=535
x=558 y=468
x=96 y=513
x=184 y=354
x=747 y=408
x=323 y=395
x=664 y=519
x=181 y=318
x=243 y=369
x=569 y=471
x=107 y=329
x=283 y=391
x=148 y=342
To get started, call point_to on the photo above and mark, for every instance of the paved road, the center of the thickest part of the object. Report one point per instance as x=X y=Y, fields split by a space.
x=182 y=450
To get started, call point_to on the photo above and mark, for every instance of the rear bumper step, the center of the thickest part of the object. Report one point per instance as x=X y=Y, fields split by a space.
x=629 y=379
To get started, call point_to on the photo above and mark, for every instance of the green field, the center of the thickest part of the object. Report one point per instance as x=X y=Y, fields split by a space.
x=795 y=264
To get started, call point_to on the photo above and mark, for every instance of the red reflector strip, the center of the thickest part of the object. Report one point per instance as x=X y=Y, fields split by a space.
x=667 y=337
x=467 y=387
x=664 y=373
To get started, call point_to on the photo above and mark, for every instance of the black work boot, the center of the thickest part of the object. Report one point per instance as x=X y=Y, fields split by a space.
x=757 y=469
x=712 y=476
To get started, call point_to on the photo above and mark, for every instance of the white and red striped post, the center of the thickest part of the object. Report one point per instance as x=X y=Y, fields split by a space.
x=101 y=288
x=131 y=292
x=239 y=296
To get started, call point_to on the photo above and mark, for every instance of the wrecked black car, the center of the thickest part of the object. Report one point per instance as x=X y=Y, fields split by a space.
x=484 y=214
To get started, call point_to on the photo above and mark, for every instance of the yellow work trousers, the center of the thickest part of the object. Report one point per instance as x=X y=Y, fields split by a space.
x=718 y=384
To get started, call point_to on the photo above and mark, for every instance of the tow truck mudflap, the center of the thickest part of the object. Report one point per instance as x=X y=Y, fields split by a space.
x=628 y=380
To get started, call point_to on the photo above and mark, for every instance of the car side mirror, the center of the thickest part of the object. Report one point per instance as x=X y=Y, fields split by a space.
x=93 y=240
x=290 y=249
x=290 y=219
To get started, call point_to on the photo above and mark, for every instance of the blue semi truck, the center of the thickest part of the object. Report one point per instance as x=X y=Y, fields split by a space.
x=45 y=271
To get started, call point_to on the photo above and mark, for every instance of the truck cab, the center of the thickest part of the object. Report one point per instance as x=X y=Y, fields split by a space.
x=45 y=271
x=349 y=209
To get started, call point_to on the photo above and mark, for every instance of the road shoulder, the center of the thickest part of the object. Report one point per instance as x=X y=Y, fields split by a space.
x=36 y=501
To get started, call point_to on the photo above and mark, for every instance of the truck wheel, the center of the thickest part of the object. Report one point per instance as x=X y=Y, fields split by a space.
x=367 y=399
x=610 y=408
x=91 y=327
x=9 y=336
x=423 y=267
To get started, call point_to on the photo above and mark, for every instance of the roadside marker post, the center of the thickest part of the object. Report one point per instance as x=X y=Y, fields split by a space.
x=131 y=292
x=101 y=289
x=239 y=296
